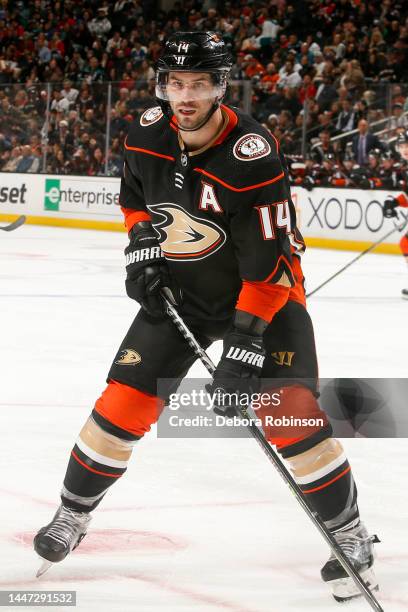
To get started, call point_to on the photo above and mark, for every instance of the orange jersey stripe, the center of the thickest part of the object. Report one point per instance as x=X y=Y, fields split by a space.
x=240 y=189
x=323 y=486
x=92 y=470
x=276 y=141
x=232 y=122
x=149 y=152
x=276 y=267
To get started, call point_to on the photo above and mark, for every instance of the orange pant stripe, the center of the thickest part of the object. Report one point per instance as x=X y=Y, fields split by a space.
x=323 y=486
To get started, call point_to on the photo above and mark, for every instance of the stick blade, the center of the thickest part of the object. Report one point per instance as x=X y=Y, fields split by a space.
x=19 y=221
x=45 y=565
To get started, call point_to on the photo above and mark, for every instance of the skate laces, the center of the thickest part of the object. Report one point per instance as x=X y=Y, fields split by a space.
x=66 y=525
x=356 y=543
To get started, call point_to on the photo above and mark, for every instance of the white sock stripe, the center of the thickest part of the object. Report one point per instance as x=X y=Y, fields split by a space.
x=89 y=452
x=85 y=501
x=330 y=467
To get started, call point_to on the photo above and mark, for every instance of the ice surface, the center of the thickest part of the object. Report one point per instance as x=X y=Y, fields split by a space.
x=195 y=525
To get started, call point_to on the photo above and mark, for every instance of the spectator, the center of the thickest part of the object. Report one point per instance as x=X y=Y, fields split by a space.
x=354 y=79
x=322 y=148
x=63 y=138
x=252 y=67
x=59 y=103
x=97 y=165
x=346 y=119
x=319 y=66
x=114 y=43
x=69 y=93
x=93 y=73
x=325 y=93
x=44 y=53
x=13 y=160
x=28 y=162
x=288 y=77
x=399 y=118
x=307 y=90
x=100 y=25
x=270 y=78
x=363 y=142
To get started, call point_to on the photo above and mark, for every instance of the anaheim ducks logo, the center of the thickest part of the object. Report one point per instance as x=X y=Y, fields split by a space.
x=129 y=357
x=183 y=236
x=151 y=115
x=251 y=146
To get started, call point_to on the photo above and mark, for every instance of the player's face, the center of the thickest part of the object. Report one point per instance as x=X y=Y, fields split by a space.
x=191 y=96
x=403 y=150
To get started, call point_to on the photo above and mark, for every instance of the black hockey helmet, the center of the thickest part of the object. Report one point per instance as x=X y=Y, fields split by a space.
x=402 y=137
x=329 y=157
x=348 y=152
x=389 y=154
x=193 y=52
x=376 y=153
x=401 y=145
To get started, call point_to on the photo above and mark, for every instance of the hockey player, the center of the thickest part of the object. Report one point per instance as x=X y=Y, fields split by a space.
x=210 y=218
x=392 y=203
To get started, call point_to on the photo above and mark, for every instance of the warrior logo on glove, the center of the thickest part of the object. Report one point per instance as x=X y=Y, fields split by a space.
x=249 y=357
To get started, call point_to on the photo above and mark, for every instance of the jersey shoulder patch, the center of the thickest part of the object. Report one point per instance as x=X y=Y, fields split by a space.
x=250 y=147
x=148 y=132
x=150 y=116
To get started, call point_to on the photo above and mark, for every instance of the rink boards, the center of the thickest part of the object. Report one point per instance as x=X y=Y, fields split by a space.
x=349 y=219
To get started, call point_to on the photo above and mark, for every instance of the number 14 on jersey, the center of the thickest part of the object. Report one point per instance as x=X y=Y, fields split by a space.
x=271 y=216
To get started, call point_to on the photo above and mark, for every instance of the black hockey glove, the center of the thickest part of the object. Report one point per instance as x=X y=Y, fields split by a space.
x=238 y=371
x=390 y=205
x=147 y=271
x=309 y=183
x=366 y=183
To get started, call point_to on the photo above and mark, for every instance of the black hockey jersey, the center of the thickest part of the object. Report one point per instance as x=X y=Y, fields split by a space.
x=222 y=214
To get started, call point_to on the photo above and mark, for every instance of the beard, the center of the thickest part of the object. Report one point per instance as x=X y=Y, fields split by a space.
x=191 y=116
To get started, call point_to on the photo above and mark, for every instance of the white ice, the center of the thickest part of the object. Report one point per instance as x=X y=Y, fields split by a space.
x=195 y=525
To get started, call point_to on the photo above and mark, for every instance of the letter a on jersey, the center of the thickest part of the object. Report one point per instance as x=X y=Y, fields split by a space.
x=209 y=199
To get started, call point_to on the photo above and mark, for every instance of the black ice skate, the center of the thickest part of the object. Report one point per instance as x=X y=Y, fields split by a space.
x=358 y=547
x=57 y=539
x=404 y=294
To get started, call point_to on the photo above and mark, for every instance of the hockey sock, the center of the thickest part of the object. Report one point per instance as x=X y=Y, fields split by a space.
x=404 y=246
x=324 y=475
x=97 y=460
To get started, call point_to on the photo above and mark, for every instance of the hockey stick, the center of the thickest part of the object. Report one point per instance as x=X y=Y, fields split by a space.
x=396 y=228
x=273 y=457
x=14 y=225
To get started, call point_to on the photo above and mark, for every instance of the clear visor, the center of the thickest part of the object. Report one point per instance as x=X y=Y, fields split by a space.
x=182 y=87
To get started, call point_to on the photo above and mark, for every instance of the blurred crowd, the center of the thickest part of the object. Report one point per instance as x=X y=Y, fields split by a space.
x=315 y=70
x=385 y=166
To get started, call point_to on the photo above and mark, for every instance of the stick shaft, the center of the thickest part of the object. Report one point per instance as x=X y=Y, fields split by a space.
x=367 y=250
x=281 y=468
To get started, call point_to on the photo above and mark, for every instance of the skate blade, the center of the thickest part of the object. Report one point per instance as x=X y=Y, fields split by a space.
x=43 y=568
x=345 y=589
